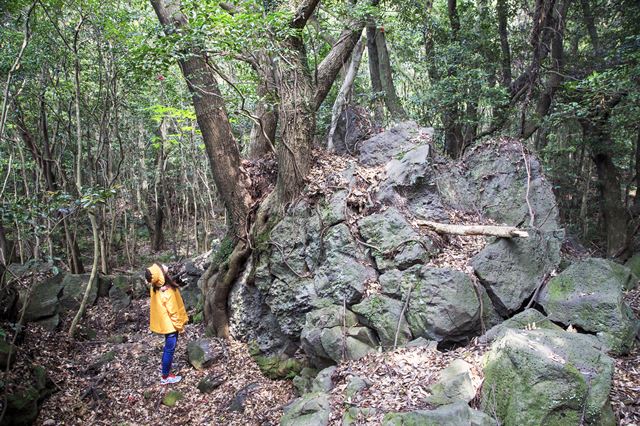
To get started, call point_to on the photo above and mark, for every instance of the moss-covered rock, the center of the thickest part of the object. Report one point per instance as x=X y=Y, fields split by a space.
x=44 y=300
x=590 y=294
x=443 y=303
x=529 y=318
x=204 y=352
x=311 y=409
x=384 y=315
x=454 y=384
x=512 y=269
x=172 y=397
x=74 y=287
x=458 y=414
x=275 y=366
x=548 y=377
x=389 y=231
x=22 y=408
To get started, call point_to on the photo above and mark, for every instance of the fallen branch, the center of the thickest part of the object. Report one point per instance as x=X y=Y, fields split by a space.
x=496 y=231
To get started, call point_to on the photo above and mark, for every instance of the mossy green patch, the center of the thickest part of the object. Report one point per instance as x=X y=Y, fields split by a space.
x=172 y=397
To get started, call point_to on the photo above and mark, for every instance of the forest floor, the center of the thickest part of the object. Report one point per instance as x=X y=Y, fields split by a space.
x=126 y=389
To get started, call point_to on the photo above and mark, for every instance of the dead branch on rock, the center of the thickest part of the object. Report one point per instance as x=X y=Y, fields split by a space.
x=489 y=230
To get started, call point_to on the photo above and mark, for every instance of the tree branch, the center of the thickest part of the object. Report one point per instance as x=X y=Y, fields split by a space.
x=491 y=230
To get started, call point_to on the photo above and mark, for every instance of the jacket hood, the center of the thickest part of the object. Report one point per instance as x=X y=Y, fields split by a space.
x=157 y=275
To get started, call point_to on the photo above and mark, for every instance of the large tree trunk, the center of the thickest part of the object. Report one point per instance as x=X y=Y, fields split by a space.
x=555 y=78
x=335 y=61
x=613 y=212
x=263 y=134
x=222 y=150
x=297 y=121
x=344 y=94
x=374 y=73
x=386 y=76
x=502 y=10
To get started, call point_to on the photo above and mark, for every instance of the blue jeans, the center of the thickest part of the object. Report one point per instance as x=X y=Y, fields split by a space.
x=170 y=341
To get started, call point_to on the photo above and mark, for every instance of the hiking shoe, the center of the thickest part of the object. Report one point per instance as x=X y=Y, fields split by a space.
x=171 y=378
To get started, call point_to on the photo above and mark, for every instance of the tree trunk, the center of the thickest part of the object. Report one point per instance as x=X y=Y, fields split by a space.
x=636 y=200
x=374 y=73
x=92 y=277
x=297 y=121
x=386 y=77
x=222 y=150
x=555 y=78
x=345 y=91
x=502 y=9
x=589 y=22
x=613 y=213
x=263 y=134
x=335 y=60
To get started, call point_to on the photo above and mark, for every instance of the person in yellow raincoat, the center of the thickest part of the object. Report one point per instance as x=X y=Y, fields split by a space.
x=168 y=315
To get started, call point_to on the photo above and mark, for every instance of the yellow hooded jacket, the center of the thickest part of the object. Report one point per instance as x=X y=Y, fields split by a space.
x=167 y=311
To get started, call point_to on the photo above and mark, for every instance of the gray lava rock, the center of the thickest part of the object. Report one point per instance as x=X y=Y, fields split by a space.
x=387 y=231
x=589 y=294
x=549 y=377
x=529 y=318
x=454 y=384
x=443 y=303
x=384 y=315
x=327 y=329
x=492 y=178
x=386 y=145
x=458 y=414
x=204 y=352
x=311 y=409
x=74 y=287
x=44 y=301
x=511 y=269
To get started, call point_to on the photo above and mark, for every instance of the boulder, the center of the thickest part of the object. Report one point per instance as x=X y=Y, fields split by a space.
x=238 y=401
x=74 y=287
x=132 y=284
x=443 y=303
x=191 y=296
x=119 y=298
x=44 y=302
x=358 y=416
x=250 y=318
x=311 y=409
x=23 y=405
x=355 y=385
x=458 y=414
x=550 y=377
x=394 y=142
x=210 y=383
x=302 y=382
x=634 y=265
x=512 y=268
x=589 y=294
x=492 y=178
x=22 y=408
x=204 y=352
x=9 y=296
x=323 y=381
x=344 y=269
x=527 y=319
x=384 y=315
x=389 y=231
x=454 y=384
x=410 y=180
x=332 y=334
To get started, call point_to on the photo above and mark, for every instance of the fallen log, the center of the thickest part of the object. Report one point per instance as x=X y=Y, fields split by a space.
x=490 y=230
